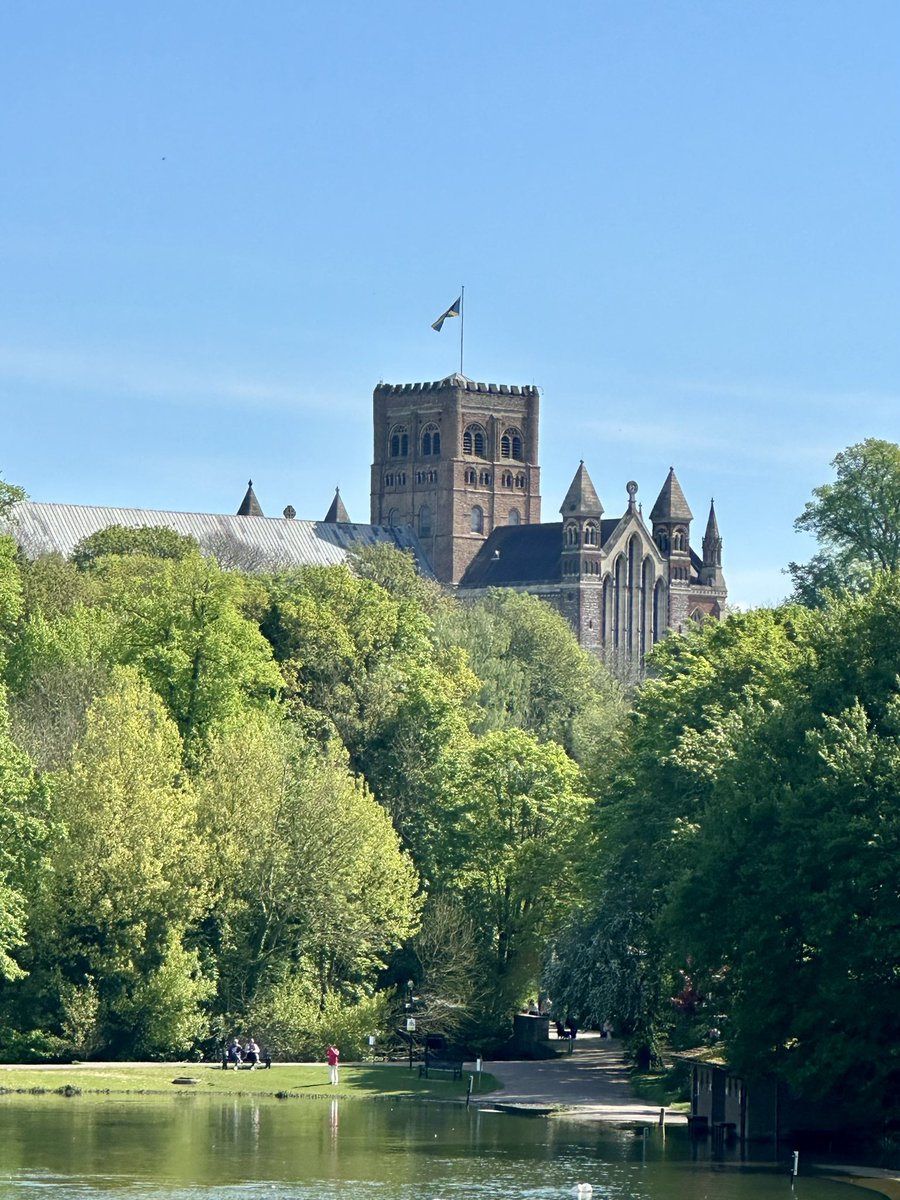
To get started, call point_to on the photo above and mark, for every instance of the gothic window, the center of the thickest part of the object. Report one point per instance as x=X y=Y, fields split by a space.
x=520 y=481
x=431 y=441
x=679 y=540
x=399 y=442
x=590 y=534
x=486 y=478
x=401 y=479
x=697 y=615
x=514 y=518
x=662 y=540
x=389 y=479
x=470 y=476
x=425 y=521
x=432 y=476
x=474 y=441
x=511 y=444
x=571 y=535
x=477 y=521
x=506 y=479
x=393 y=518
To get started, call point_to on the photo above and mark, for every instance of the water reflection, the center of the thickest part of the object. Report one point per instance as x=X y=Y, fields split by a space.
x=195 y=1148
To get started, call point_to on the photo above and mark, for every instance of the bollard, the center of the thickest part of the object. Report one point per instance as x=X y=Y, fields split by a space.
x=469 y=1091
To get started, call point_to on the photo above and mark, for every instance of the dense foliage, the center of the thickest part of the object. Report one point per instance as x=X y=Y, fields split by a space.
x=235 y=801
x=287 y=801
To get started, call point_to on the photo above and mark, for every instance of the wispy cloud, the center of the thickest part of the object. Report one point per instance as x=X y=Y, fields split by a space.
x=118 y=376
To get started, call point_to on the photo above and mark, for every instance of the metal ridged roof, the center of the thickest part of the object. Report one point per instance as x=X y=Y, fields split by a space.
x=272 y=541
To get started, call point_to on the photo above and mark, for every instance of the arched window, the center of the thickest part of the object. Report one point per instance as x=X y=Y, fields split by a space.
x=697 y=615
x=389 y=479
x=486 y=478
x=662 y=540
x=431 y=441
x=474 y=441
x=506 y=479
x=393 y=518
x=399 y=442
x=514 y=518
x=679 y=540
x=511 y=444
x=424 y=521
x=571 y=534
x=477 y=521
x=590 y=534
x=520 y=481
x=470 y=475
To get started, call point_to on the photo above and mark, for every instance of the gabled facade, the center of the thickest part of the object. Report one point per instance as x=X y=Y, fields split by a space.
x=619 y=584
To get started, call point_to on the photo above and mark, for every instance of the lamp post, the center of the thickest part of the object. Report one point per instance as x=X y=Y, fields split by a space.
x=410 y=1019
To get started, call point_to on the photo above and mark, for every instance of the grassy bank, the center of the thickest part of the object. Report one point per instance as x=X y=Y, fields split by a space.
x=283 y=1080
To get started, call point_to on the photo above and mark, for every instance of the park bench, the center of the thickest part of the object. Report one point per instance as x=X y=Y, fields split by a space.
x=434 y=1064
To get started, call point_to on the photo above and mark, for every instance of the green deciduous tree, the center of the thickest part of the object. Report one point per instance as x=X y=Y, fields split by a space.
x=309 y=878
x=128 y=879
x=150 y=541
x=856 y=521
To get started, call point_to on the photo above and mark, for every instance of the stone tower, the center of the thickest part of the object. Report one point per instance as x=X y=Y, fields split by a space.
x=671 y=520
x=455 y=460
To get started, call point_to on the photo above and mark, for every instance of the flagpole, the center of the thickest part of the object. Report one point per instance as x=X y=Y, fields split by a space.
x=462 y=324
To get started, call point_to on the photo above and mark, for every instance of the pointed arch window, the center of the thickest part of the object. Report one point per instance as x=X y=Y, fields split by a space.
x=511 y=444
x=590 y=534
x=477 y=519
x=514 y=518
x=474 y=441
x=431 y=441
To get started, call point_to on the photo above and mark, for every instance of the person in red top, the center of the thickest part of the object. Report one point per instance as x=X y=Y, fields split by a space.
x=333 y=1055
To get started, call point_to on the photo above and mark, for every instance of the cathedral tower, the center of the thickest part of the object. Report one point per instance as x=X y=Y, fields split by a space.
x=455 y=459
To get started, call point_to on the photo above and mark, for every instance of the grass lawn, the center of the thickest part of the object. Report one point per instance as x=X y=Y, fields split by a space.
x=657 y=1087
x=284 y=1080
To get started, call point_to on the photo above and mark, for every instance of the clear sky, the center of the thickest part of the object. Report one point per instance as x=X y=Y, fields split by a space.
x=222 y=223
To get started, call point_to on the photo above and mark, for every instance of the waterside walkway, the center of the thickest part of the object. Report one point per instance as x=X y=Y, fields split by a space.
x=591 y=1083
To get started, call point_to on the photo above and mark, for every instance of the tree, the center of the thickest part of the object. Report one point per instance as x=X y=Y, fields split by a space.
x=309 y=879
x=181 y=624
x=522 y=813
x=855 y=519
x=153 y=541
x=128 y=881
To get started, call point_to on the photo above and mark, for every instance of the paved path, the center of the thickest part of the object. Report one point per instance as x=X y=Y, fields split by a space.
x=592 y=1082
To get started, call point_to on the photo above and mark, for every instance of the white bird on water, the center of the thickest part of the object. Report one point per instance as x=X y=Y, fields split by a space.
x=583 y=1190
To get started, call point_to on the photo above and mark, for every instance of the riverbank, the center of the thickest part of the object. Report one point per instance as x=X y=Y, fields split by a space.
x=592 y=1083
x=282 y=1081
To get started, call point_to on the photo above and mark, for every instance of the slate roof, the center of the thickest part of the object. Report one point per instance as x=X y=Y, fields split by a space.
x=40 y=528
x=581 y=498
x=337 y=512
x=671 y=504
x=250 y=506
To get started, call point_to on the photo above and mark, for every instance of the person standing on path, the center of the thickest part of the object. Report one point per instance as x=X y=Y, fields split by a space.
x=333 y=1055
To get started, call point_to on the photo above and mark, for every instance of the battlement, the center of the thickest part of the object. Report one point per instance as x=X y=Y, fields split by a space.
x=456 y=382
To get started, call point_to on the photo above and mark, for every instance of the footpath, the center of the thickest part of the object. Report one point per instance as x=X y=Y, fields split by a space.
x=591 y=1083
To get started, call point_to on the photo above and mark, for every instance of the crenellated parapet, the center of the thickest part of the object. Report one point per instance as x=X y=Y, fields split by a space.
x=459 y=382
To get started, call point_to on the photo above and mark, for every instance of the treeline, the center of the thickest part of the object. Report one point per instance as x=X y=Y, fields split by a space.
x=235 y=801
x=745 y=845
x=264 y=801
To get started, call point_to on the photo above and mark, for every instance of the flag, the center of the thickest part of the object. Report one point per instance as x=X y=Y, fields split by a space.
x=452 y=311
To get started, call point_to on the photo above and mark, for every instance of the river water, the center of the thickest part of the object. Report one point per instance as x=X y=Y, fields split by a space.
x=199 y=1148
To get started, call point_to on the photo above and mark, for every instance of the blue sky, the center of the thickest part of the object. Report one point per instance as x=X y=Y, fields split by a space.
x=221 y=224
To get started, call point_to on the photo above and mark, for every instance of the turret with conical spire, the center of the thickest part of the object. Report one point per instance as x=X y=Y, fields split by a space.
x=250 y=506
x=337 y=514
x=581 y=498
x=581 y=511
x=671 y=519
x=711 y=571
